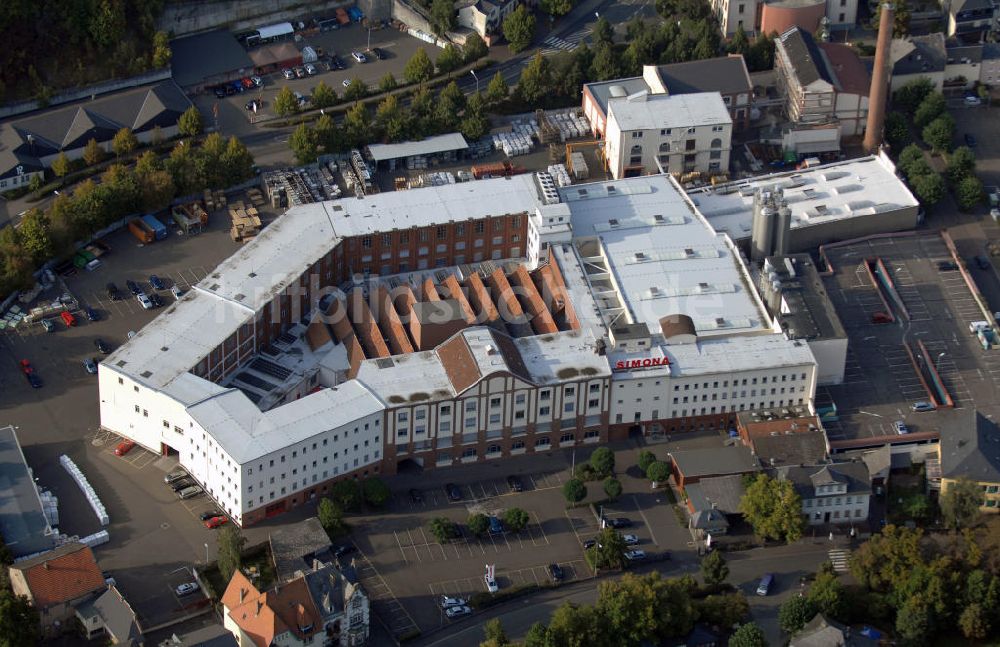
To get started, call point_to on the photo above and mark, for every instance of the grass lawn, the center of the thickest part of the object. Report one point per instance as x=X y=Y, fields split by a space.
x=258 y=557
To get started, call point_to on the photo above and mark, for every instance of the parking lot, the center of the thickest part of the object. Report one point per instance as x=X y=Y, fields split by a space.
x=880 y=382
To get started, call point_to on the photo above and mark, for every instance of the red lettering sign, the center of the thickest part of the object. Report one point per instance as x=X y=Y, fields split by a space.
x=649 y=362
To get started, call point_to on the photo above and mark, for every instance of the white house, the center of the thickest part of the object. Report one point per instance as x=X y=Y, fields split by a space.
x=836 y=493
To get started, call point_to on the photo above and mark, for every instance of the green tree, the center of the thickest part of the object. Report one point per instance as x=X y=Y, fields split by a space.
x=35 y=235
x=603 y=461
x=323 y=96
x=375 y=490
x=714 y=569
x=612 y=487
x=574 y=625
x=519 y=28
x=106 y=23
x=442 y=529
x=740 y=43
x=603 y=31
x=968 y=194
x=93 y=153
x=658 y=471
x=124 y=142
x=827 y=593
x=974 y=622
x=346 y=493
x=722 y=610
x=897 y=130
x=161 y=50
x=356 y=90
x=449 y=59
x=537 y=636
x=475 y=125
x=609 y=551
x=190 y=123
x=20 y=619
x=230 y=544
x=479 y=524
x=497 y=91
x=535 y=80
x=388 y=83
x=147 y=163
x=604 y=65
x=556 y=8
x=901 y=19
x=931 y=107
x=748 y=635
x=443 y=17
x=773 y=508
x=939 y=133
x=156 y=189
x=574 y=490
x=960 y=502
x=961 y=164
x=516 y=519
x=474 y=48
x=645 y=609
x=330 y=515
x=913 y=621
x=357 y=124
x=929 y=189
x=761 y=54
x=646 y=458
x=794 y=613
x=909 y=97
x=61 y=165
x=419 y=68
x=237 y=162
x=881 y=562
x=285 y=102
x=495 y=635
x=908 y=156
x=304 y=144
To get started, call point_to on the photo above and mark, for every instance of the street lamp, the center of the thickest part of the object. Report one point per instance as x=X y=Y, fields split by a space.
x=938 y=361
x=369 y=39
x=476 y=77
x=206 y=553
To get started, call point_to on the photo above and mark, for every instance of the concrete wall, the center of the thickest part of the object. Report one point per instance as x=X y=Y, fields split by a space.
x=807 y=238
x=182 y=18
x=88 y=92
x=410 y=16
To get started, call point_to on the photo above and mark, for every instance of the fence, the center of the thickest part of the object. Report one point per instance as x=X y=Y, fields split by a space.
x=90 y=91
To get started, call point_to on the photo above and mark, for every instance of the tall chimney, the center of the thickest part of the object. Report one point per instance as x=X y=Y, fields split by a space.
x=878 y=94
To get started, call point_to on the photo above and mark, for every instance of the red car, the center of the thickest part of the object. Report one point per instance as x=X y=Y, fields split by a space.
x=68 y=318
x=26 y=367
x=215 y=522
x=124 y=447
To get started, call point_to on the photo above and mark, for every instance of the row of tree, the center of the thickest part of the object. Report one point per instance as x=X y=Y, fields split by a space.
x=636 y=610
x=148 y=185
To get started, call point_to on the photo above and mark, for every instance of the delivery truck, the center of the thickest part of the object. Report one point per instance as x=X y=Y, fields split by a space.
x=159 y=229
x=141 y=230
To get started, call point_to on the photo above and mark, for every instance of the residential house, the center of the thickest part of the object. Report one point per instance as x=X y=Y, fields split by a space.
x=210 y=636
x=835 y=493
x=970 y=20
x=712 y=503
x=56 y=582
x=485 y=17
x=963 y=68
x=692 y=465
x=968 y=451
x=726 y=75
x=110 y=614
x=319 y=607
x=824 y=86
x=915 y=57
x=668 y=133
x=821 y=632
x=294 y=547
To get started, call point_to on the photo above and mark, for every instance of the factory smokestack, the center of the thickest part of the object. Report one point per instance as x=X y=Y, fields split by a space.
x=878 y=94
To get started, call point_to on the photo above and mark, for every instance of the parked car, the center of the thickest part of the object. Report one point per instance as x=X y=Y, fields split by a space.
x=175 y=476
x=300 y=72
x=491 y=584
x=124 y=447
x=457 y=612
x=496 y=526
x=310 y=69
x=447 y=602
x=972 y=100
x=589 y=543
x=346 y=83
x=765 y=584
x=205 y=516
x=900 y=427
x=186 y=589
x=176 y=291
x=67 y=318
x=90 y=365
x=359 y=57
x=970 y=140
x=215 y=522
x=48 y=325
x=183 y=483
x=30 y=375
x=102 y=346
x=514 y=483
x=190 y=492
x=881 y=318
x=620 y=522
x=156 y=282
x=635 y=555
x=247 y=82
x=113 y=292
x=133 y=287
x=156 y=300
x=630 y=540
x=416 y=496
x=288 y=74
x=377 y=53
x=947 y=266
x=91 y=314
x=922 y=406
x=454 y=494
x=982 y=262
x=220 y=92
x=337 y=63
x=144 y=301
x=556 y=573
x=345 y=549
x=257 y=81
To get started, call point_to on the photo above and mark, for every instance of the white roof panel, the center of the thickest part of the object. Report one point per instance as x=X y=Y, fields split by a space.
x=643 y=111
x=429 y=146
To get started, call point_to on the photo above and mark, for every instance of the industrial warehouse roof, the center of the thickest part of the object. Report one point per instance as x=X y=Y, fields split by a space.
x=603 y=91
x=23 y=525
x=429 y=146
x=725 y=74
x=969 y=449
x=818 y=195
x=206 y=56
x=644 y=111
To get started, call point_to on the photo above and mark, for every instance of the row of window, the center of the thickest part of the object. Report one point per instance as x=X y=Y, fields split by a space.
x=713 y=410
x=836 y=514
x=725 y=396
x=831 y=502
x=441 y=232
x=495 y=449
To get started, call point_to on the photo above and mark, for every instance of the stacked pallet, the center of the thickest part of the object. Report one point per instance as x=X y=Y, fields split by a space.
x=246 y=222
x=255 y=197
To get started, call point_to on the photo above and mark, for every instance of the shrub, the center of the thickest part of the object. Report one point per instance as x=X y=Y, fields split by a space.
x=516 y=519
x=646 y=458
x=376 y=491
x=658 y=471
x=479 y=524
x=969 y=193
x=574 y=490
x=603 y=461
x=612 y=487
x=443 y=529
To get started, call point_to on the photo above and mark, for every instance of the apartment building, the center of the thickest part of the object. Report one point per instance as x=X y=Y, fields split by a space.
x=837 y=493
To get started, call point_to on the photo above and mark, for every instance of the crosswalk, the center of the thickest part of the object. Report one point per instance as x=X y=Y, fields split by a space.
x=555 y=44
x=839 y=557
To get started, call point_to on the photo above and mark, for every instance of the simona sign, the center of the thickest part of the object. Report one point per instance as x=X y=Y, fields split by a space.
x=649 y=362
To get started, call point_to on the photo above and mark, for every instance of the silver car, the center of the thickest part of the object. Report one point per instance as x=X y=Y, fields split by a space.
x=186 y=588
x=90 y=365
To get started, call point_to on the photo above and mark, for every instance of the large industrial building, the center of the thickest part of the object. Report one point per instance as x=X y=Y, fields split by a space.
x=448 y=325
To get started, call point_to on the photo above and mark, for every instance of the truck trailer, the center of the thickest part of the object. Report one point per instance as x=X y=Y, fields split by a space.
x=142 y=231
x=159 y=229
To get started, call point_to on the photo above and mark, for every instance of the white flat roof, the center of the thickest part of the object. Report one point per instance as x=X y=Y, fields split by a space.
x=562 y=356
x=246 y=434
x=429 y=146
x=273 y=31
x=723 y=355
x=394 y=379
x=664 y=257
x=643 y=111
x=822 y=194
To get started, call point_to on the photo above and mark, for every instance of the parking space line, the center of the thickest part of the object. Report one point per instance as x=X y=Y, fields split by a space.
x=540 y=529
x=400 y=544
x=649 y=527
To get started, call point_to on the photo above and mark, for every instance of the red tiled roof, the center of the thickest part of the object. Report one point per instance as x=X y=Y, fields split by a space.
x=62 y=575
x=265 y=615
